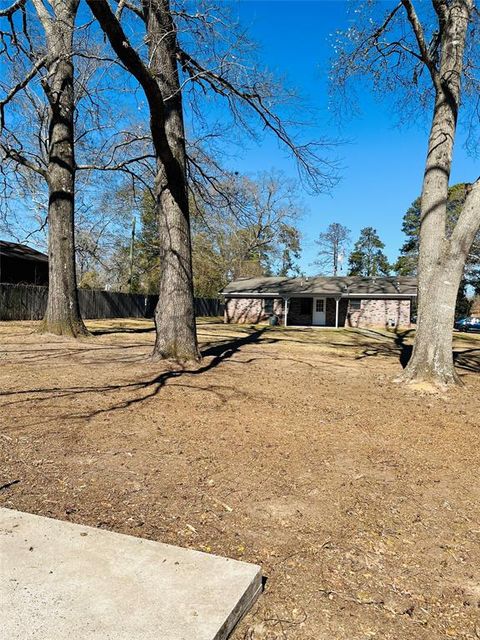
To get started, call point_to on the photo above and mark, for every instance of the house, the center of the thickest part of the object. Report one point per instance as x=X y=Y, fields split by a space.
x=20 y=264
x=322 y=301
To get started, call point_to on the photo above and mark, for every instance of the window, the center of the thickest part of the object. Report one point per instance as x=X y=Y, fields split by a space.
x=355 y=303
x=305 y=306
x=320 y=305
x=268 y=305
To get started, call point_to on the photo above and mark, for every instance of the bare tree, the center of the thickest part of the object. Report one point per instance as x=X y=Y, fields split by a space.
x=332 y=245
x=429 y=53
x=57 y=114
x=251 y=230
x=174 y=317
x=54 y=61
x=166 y=73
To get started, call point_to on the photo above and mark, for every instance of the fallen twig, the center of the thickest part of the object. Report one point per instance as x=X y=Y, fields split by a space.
x=7 y=485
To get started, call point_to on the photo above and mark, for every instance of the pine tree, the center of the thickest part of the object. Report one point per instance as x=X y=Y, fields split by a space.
x=407 y=262
x=367 y=258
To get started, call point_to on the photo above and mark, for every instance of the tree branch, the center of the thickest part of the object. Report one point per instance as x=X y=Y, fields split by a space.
x=19 y=86
x=132 y=61
x=468 y=222
x=8 y=13
x=18 y=157
x=114 y=167
x=43 y=15
x=420 y=37
x=131 y=7
x=220 y=85
x=441 y=9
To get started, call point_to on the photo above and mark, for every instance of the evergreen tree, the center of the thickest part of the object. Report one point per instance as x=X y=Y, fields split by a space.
x=367 y=258
x=291 y=251
x=147 y=259
x=407 y=262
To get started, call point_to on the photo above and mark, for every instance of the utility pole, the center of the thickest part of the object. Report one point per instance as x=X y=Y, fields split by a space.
x=132 y=248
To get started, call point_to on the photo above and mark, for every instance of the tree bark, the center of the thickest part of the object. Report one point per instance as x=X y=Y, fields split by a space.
x=432 y=357
x=62 y=316
x=441 y=258
x=176 y=336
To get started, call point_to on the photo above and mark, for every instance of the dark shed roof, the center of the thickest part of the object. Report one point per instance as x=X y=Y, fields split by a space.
x=14 y=250
x=323 y=285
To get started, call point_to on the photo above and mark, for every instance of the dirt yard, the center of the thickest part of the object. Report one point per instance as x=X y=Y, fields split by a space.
x=293 y=449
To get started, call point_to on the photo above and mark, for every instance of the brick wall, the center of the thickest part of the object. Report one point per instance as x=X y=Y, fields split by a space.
x=378 y=313
x=251 y=310
x=342 y=312
x=373 y=313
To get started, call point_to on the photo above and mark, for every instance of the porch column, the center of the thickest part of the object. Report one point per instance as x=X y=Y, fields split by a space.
x=337 y=302
x=285 y=311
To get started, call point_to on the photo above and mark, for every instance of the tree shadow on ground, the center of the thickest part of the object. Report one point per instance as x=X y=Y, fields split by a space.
x=111 y=331
x=205 y=322
x=466 y=359
x=216 y=354
x=227 y=348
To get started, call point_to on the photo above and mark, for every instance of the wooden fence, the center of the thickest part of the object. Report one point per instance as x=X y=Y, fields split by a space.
x=28 y=302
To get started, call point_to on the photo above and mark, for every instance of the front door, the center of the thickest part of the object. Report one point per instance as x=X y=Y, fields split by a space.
x=318 y=311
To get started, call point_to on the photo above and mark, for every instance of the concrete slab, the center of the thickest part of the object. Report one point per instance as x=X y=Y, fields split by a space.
x=60 y=580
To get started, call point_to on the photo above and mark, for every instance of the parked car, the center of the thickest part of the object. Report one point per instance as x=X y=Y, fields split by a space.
x=468 y=324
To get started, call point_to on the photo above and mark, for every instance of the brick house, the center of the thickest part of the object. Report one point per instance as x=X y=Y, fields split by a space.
x=322 y=301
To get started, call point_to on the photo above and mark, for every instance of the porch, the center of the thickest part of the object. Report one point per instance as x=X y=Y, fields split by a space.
x=318 y=311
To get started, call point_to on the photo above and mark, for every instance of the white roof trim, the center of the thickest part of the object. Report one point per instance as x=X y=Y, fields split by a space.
x=379 y=295
x=324 y=294
x=241 y=294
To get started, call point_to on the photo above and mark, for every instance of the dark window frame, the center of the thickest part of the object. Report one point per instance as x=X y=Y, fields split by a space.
x=268 y=305
x=355 y=304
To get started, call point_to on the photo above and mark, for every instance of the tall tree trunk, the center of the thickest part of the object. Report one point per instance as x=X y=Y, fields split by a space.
x=175 y=314
x=63 y=313
x=441 y=258
x=432 y=357
x=176 y=336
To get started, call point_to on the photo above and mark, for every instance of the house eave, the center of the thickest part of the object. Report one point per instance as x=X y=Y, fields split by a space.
x=241 y=294
x=378 y=296
x=31 y=258
x=319 y=294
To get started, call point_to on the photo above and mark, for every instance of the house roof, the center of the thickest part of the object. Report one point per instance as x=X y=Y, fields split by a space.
x=323 y=285
x=21 y=251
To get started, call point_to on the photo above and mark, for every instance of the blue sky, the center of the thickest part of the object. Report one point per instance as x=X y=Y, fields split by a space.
x=382 y=165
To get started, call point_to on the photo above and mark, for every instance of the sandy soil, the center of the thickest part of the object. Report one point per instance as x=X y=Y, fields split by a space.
x=293 y=449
